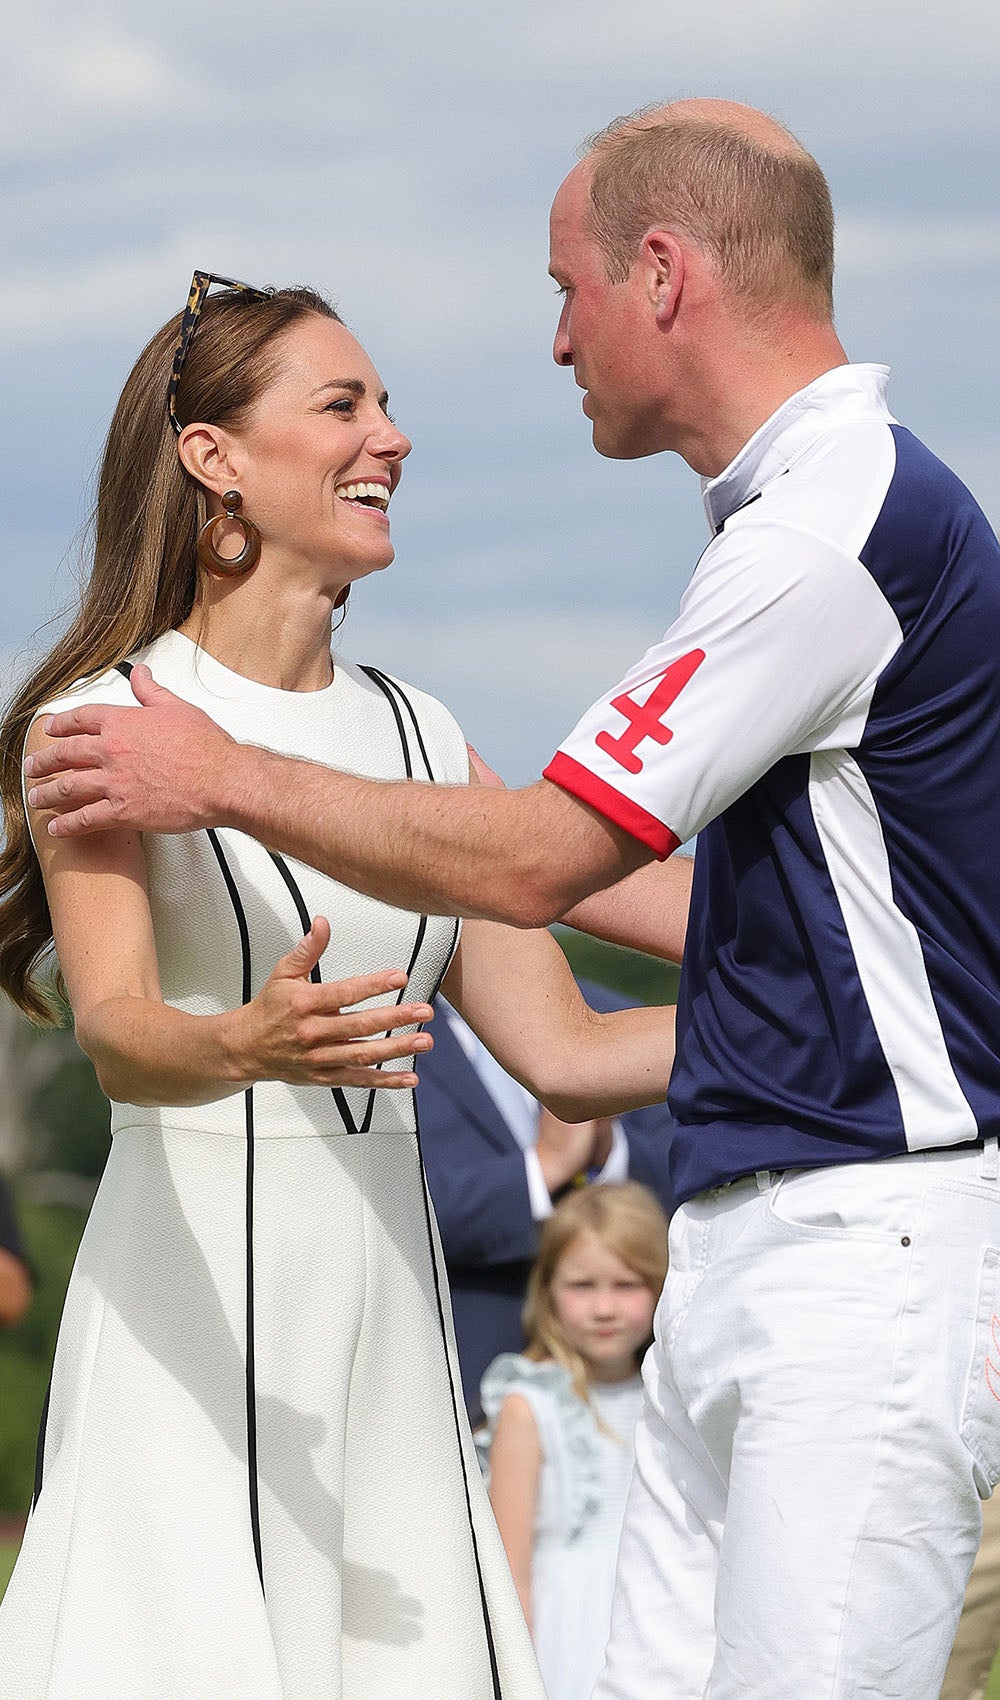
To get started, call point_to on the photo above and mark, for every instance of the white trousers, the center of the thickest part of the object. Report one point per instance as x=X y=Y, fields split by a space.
x=822 y=1415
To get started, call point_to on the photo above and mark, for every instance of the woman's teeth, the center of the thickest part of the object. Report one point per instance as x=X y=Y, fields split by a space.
x=372 y=495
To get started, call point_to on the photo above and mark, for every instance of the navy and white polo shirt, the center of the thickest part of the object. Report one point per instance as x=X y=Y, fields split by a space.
x=825 y=714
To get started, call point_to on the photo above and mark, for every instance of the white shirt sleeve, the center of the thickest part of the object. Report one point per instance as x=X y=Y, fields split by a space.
x=776 y=650
x=615 y=1169
x=539 y=1197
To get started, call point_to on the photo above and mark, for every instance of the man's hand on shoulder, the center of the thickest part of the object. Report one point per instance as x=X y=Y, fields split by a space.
x=161 y=767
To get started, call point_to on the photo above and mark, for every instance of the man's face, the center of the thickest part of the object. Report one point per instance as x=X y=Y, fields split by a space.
x=607 y=331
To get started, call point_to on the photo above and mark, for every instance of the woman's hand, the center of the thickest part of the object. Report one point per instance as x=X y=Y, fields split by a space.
x=481 y=773
x=296 y=1030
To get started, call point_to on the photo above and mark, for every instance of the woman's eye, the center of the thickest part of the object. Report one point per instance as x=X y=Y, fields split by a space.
x=345 y=405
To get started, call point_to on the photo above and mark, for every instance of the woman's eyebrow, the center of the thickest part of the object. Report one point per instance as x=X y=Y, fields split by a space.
x=356 y=387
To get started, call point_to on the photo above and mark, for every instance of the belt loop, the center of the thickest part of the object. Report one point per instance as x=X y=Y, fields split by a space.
x=763 y=1178
x=990 y=1164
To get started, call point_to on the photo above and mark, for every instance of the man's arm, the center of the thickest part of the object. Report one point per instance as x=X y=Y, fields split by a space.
x=647 y=911
x=524 y=857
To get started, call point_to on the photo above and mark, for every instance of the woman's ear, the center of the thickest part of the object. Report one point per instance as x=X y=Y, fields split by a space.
x=206 y=452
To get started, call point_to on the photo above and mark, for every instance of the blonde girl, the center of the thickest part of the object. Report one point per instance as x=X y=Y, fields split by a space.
x=561 y=1419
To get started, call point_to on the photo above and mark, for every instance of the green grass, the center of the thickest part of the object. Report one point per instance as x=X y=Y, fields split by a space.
x=993 y=1686
x=51 y=1234
x=643 y=978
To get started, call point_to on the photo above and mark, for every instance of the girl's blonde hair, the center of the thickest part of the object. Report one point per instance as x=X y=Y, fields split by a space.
x=143 y=574
x=629 y=1221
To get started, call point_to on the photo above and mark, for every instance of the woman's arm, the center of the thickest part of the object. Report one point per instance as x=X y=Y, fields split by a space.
x=516 y=991
x=146 y=1052
x=515 y=1467
x=646 y=911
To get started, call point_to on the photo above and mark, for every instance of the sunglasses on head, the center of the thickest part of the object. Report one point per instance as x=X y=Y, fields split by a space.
x=201 y=283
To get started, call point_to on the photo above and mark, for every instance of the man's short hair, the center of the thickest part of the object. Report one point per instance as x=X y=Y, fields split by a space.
x=762 y=213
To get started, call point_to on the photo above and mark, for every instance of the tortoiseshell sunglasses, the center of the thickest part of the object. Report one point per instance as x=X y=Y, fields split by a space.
x=201 y=283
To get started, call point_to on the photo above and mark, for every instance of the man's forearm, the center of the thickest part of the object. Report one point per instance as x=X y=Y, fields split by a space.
x=522 y=857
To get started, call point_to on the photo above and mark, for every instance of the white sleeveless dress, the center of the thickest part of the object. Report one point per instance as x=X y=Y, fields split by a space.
x=255 y=1478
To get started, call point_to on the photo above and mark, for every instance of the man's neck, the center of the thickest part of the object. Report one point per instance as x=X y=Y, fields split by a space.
x=743 y=384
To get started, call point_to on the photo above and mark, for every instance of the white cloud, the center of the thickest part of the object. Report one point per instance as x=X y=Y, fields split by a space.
x=72 y=78
x=886 y=245
x=124 y=76
x=787 y=40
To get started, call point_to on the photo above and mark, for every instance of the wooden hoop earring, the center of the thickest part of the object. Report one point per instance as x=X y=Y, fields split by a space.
x=229 y=566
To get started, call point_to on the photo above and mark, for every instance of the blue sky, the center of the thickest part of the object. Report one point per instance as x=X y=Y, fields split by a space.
x=403 y=159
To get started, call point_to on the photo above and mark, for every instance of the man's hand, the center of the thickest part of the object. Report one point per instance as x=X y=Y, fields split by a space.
x=156 y=768
x=564 y=1149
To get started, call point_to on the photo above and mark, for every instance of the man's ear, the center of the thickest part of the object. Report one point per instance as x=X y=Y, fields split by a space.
x=206 y=452
x=663 y=260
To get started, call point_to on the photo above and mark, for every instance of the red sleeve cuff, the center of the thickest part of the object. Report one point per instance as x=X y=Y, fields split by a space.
x=570 y=776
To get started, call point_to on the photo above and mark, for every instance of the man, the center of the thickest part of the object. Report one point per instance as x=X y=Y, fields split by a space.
x=495 y=1160
x=823 y=1398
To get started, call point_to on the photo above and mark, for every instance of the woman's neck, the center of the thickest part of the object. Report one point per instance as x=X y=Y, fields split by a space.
x=282 y=639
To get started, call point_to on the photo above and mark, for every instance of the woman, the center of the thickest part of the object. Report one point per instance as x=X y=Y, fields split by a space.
x=255 y=1479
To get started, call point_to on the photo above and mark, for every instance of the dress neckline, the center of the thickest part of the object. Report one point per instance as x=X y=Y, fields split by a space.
x=223 y=681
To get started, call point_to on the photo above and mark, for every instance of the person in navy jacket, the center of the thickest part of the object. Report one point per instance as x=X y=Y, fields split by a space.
x=494 y=1162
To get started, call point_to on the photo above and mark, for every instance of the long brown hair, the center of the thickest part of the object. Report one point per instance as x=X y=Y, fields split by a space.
x=143 y=574
x=629 y=1221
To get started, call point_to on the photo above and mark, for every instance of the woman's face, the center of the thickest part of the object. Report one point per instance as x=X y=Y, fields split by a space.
x=320 y=458
x=605 y=1308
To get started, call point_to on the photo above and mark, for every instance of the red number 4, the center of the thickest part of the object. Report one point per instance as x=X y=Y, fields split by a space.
x=645 y=719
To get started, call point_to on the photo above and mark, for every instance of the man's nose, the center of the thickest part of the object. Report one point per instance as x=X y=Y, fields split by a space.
x=562 y=348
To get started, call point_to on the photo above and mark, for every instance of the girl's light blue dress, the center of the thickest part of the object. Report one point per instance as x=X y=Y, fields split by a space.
x=579 y=1512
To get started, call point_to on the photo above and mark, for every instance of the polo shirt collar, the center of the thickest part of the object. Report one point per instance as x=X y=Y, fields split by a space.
x=838 y=397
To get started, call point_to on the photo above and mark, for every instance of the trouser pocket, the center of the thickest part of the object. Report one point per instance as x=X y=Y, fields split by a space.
x=981 y=1418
